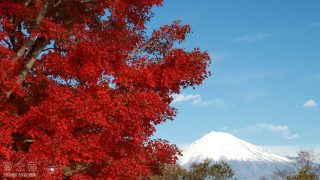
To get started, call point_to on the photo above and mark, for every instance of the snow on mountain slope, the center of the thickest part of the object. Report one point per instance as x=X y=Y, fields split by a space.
x=218 y=146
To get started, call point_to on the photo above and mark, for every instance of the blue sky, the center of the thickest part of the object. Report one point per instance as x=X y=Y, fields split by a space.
x=266 y=71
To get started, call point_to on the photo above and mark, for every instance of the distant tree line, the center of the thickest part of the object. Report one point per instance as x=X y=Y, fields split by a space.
x=303 y=168
x=204 y=170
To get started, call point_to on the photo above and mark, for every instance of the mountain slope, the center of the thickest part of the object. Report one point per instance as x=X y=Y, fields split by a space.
x=248 y=161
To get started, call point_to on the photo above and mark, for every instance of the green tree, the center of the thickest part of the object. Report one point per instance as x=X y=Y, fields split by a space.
x=208 y=170
x=171 y=172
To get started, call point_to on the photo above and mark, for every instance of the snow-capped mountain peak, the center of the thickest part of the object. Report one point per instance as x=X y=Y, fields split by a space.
x=218 y=146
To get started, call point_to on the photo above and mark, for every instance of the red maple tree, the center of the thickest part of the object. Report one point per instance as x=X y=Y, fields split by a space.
x=82 y=87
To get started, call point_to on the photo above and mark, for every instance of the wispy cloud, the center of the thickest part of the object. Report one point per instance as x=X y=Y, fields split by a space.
x=310 y=104
x=241 y=78
x=217 y=56
x=255 y=94
x=316 y=24
x=282 y=130
x=215 y=102
x=196 y=99
x=179 y=98
x=251 y=38
x=224 y=128
x=292 y=150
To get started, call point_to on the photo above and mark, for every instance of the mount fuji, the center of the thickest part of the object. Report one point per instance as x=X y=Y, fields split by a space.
x=247 y=160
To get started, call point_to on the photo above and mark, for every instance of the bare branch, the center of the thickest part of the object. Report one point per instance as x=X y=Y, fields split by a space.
x=135 y=52
x=30 y=41
x=57 y=3
x=28 y=44
x=29 y=140
x=24 y=48
x=41 y=44
x=27 y=2
x=85 y=1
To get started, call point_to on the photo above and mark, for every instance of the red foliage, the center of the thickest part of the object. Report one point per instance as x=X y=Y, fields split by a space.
x=89 y=103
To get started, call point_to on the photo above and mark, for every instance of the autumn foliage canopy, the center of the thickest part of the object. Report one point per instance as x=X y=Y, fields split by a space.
x=83 y=86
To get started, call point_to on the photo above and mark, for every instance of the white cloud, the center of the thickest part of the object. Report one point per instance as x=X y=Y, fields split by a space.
x=251 y=38
x=178 y=98
x=310 y=104
x=196 y=99
x=215 y=102
x=283 y=130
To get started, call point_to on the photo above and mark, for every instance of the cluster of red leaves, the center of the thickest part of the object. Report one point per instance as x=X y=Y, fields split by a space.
x=97 y=91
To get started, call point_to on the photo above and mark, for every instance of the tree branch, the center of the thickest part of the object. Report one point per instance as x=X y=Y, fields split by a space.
x=57 y=3
x=28 y=44
x=135 y=52
x=27 y=2
x=85 y=1
x=41 y=44
x=30 y=41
